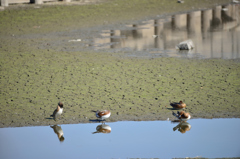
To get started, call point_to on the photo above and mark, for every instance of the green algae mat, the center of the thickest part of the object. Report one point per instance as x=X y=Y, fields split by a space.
x=34 y=77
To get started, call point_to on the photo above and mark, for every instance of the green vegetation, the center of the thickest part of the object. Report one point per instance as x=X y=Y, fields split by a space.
x=34 y=77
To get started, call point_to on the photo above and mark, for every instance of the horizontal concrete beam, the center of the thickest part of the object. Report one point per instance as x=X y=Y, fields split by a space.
x=4 y=3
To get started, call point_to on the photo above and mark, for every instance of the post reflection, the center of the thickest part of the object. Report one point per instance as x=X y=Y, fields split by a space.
x=182 y=127
x=103 y=128
x=215 y=33
x=58 y=130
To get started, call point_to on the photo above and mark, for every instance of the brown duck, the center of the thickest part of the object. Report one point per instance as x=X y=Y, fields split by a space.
x=179 y=105
x=182 y=115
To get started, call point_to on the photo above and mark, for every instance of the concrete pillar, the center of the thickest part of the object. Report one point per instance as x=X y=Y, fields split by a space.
x=217 y=18
x=4 y=3
x=217 y=12
x=38 y=1
x=167 y=33
x=158 y=29
x=179 y=21
x=195 y=29
x=194 y=22
x=156 y=32
x=206 y=20
x=113 y=39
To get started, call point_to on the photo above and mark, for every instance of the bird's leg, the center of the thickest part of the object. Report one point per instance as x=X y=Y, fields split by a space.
x=103 y=121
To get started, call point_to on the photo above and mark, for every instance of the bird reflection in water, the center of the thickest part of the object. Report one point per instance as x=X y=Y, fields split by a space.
x=183 y=127
x=58 y=130
x=182 y=118
x=103 y=128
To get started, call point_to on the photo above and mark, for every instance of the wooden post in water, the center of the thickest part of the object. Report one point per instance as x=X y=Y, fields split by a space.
x=4 y=3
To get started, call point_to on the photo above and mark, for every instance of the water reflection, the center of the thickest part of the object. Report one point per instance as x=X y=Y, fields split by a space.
x=103 y=128
x=58 y=130
x=215 y=33
x=182 y=127
x=145 y=139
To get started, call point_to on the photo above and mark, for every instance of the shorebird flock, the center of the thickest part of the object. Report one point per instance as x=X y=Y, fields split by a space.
x=104 y=114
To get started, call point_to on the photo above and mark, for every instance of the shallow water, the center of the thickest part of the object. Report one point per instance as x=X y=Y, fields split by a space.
x=214 y=32
x=162 y=139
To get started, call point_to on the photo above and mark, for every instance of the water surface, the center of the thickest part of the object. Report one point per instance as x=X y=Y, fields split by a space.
x=214 y=32
x=127 y=139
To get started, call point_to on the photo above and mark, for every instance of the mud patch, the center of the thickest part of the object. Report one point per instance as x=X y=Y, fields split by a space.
x=132 y=88
x=35 y=77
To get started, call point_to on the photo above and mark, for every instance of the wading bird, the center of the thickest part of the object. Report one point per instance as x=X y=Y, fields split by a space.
x=183 y=116
x=57 y=111
x=103 y=115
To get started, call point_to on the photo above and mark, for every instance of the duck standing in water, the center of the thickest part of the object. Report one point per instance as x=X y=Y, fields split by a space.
x=183 y=116
x=179 y=105
x=57 y=111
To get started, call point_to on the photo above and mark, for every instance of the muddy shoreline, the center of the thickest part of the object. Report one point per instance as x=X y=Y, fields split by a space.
x=38 y=69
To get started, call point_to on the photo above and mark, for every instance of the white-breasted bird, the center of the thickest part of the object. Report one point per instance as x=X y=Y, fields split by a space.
x=58 y=111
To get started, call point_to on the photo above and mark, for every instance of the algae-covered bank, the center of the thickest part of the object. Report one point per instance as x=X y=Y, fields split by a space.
x=39 y=68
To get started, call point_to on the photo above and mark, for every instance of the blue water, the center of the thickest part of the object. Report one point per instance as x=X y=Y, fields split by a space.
x=210 y=138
